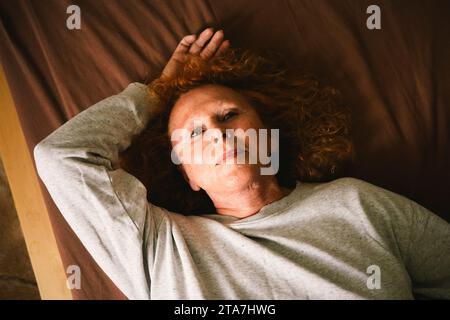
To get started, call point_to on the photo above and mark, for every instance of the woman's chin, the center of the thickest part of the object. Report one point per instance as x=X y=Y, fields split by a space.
x=235 y=175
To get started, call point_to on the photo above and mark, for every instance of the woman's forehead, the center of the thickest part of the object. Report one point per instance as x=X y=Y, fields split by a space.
x=209 y=95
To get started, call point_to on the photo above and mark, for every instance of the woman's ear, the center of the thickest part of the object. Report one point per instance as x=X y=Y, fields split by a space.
x=192 y=184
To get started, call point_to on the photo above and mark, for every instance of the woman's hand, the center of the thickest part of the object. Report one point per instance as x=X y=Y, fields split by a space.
x=192 y=44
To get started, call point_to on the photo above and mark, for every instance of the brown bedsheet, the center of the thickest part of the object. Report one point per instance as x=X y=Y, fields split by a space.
x=396 y=80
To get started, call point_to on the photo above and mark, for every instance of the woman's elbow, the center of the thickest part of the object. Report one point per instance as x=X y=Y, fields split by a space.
x=44 y=156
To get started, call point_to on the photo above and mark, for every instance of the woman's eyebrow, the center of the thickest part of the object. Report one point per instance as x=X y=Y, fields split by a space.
x=225 y=110
x=224 y=106
x=229 y=108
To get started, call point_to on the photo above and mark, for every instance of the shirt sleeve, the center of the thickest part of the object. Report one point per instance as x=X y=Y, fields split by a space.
x=105 y=206
x=420 y=238
x=428 y=254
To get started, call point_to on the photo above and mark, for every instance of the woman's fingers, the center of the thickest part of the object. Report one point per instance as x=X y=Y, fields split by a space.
x=202 y=39
x=185 y=44
x=214 y=44
x=223 y=47
x=207 y=45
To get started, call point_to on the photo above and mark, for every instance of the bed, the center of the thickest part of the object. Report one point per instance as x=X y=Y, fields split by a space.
x=395 y=79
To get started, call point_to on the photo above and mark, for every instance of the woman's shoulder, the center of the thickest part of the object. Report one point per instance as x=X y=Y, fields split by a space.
x=365 y=204
x=351 y=185
x=348 y=190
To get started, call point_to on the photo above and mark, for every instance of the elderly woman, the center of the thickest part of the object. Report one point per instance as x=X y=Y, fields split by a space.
x=222 y=229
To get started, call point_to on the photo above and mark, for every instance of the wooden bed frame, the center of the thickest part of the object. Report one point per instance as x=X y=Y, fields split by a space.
x=29 y=202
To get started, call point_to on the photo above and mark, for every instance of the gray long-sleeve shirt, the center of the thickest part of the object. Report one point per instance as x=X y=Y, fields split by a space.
x=346 y=239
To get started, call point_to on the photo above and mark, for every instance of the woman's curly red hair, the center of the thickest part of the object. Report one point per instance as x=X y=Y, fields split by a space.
x=313 y=123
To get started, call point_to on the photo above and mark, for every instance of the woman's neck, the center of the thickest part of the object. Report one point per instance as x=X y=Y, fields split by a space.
x=248 y=200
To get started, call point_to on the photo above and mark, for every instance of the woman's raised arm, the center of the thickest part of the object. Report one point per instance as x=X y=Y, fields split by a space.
x=105 y=206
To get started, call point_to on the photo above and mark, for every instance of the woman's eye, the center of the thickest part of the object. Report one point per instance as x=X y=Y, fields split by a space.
x=228 y=115
x=196 y=132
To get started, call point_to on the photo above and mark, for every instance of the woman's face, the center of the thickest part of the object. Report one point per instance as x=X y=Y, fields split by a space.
x=202 y=116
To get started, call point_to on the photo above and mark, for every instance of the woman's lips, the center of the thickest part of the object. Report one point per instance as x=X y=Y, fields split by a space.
x=229 y=155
